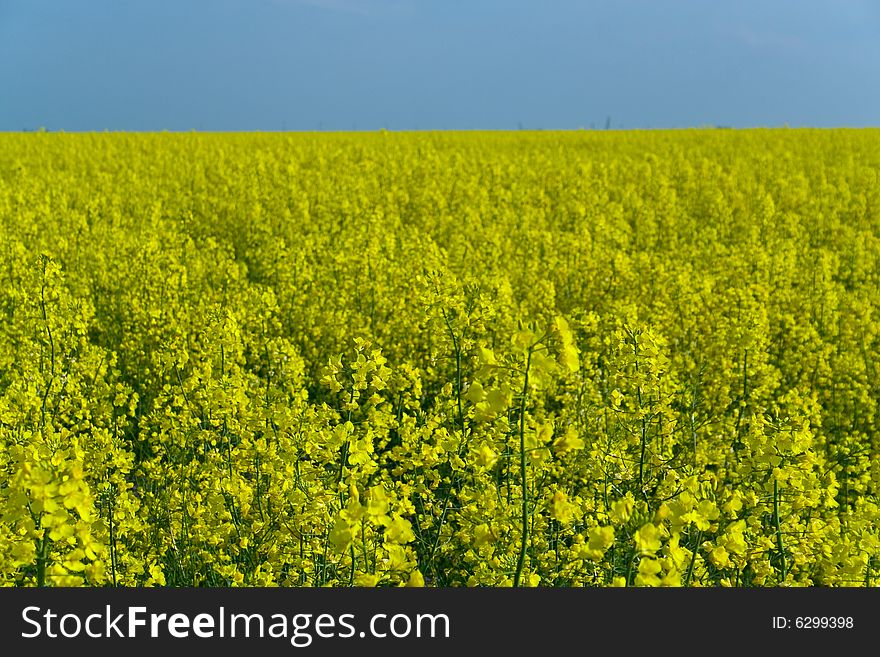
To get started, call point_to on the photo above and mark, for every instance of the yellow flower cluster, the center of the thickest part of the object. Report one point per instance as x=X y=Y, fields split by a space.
x=484 y=359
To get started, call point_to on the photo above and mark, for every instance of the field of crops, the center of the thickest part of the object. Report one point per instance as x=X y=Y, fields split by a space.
x=440 y=359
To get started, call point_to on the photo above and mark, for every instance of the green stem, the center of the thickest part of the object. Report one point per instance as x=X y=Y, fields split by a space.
x=779 y=545
x=456 y=347
x=42 y=556
x=112 y=544
x=690 y=572
x=522 y=475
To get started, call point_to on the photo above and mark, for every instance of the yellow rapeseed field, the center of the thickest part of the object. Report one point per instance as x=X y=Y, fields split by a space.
x=440 y=359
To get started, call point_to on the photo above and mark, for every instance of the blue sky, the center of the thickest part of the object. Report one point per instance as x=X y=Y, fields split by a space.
x=436 y=64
